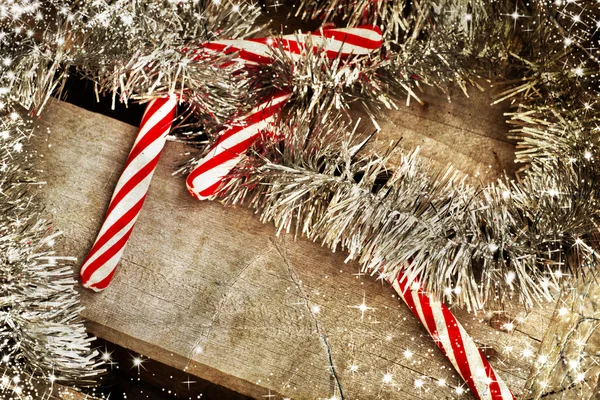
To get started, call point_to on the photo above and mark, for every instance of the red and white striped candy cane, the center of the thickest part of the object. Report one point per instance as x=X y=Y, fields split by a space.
x=129 y=195
x=454 y=341
x=333 y=43
x=205 y=179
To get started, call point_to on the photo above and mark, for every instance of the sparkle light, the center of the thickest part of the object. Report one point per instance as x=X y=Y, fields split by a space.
x=510 y=277
x=387 y=378
x=362 y=308
x=573 y=364
x=562 y=311
x=558 y=273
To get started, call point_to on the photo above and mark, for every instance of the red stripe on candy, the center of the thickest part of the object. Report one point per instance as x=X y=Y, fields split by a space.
x=351 y=38
x=105 y=257
x=132 y=183
x=458 y=348
x=249 y=128
x=110 y=233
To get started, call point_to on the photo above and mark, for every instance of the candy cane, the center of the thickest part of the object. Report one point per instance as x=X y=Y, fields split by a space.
x=454 y=341
x=128 y=198
x=333 y=43
x=129 y=195
x=205 y=180
x=229 y=149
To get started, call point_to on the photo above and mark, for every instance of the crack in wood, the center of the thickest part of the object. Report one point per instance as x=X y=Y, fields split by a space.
x=528 y=335
x=596 y=394
x=221 y=305
x=405 y=366
x=337 y=389
x=562 y=390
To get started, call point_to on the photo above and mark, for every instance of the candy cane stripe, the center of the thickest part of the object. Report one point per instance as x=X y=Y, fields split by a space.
x=133 y=172
x=111 y=244
x=333 y=42
x=150 y=110
x=98 y=280
x=129 y=194
x=124 y=203
x=443 y=337
x=362 y=39
x=213 y=177
x=148 y=137
x=115 y=222
x=453 y=340
x=456 y=343
x=427 y=313
x=495 y=390
x=205 y=179
x=111 y=233
x=249 y=51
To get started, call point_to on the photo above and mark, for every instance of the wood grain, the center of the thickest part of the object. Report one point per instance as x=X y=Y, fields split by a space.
x=212 y=291
x=571 y=348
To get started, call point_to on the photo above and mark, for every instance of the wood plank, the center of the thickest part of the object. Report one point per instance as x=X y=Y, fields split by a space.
x=467 y=133
x=571 y=348
x=212 y=291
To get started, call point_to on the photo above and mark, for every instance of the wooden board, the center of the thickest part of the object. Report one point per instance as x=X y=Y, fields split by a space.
x=212 y=291
x=571 y=344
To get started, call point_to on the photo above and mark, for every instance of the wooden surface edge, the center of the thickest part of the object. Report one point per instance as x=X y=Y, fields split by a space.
x=186 y=365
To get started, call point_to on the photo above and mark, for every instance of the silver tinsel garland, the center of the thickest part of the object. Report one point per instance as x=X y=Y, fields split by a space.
x=42 y=338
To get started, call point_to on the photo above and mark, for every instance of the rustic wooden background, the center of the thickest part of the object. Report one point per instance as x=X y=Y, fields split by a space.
x=215 y=293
